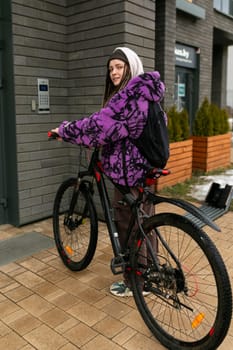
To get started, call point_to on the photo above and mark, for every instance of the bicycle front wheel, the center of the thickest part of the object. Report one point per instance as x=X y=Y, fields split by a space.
x=75 y=225
x=189 y=305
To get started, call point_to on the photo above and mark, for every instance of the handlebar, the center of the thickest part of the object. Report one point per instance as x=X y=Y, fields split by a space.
x=157 y=172
x=151 y=176
x=52 y=135
x=154 y=174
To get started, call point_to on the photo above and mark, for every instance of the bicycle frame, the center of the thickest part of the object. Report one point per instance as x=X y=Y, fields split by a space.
x=95 y=170
x=169 y=257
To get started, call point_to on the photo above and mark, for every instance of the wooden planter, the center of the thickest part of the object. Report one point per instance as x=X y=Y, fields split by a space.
x=179 y=163
x=211 y=152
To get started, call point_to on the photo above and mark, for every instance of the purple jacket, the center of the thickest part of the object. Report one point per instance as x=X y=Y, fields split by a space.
x=112 y=127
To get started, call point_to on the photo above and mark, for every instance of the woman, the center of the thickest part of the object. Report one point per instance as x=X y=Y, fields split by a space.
x=128 y=91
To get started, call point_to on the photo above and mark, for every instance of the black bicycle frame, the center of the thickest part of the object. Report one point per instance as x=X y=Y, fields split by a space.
x=95 y=170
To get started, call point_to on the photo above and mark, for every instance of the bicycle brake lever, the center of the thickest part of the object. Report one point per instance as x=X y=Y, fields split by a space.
x=52 y=135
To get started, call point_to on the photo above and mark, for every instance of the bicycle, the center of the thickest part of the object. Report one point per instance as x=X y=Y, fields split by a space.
x=190 y=301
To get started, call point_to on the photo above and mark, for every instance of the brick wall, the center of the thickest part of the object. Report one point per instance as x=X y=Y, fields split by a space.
x=39 y=48
x=199 y=33
x=95 y=29
x=140 y=30
x=68 y=42
x=165 y=44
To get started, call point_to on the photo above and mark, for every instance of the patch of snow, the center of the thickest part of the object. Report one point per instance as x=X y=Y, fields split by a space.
x=200 y=191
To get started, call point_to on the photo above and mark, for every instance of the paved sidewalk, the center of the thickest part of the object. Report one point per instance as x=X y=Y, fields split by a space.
x=45 y=306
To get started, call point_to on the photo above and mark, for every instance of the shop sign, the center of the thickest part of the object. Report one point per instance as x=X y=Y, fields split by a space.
x=185 y=56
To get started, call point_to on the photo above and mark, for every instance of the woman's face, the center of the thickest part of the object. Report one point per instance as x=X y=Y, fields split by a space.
x=116 y=71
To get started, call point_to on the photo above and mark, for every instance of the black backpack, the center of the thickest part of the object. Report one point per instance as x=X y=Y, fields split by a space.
x=153 y=143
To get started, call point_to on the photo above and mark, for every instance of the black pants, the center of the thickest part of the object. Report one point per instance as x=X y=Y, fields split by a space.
x=122 y=216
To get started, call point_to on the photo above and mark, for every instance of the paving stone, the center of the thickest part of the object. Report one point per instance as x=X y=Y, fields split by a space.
x=45 y=338
x=44 y=305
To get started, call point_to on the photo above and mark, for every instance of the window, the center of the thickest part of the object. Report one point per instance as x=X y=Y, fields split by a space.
x=225 y=6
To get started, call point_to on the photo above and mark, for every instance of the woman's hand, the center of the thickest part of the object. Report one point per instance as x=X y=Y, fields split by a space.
x=55 y=130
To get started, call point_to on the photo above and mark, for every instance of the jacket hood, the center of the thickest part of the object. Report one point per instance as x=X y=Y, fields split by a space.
x=134 y=61
x=148 y=85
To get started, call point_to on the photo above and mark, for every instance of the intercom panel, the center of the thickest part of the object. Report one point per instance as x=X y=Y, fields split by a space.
x=43 y=95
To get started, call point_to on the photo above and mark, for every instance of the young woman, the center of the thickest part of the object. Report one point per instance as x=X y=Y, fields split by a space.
x=128 y=91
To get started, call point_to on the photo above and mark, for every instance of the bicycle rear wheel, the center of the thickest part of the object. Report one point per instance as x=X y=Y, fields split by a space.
x=190 y=301
x=75 y=225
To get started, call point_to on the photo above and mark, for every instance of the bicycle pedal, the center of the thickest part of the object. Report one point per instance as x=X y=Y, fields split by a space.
x=118 y=265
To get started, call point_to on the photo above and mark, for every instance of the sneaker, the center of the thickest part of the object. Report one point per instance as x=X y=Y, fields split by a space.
x=120 y=289
x=145 y=293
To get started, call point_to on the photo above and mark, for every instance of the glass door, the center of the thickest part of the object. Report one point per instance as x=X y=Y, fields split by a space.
x=3 y=202
x=185 y=92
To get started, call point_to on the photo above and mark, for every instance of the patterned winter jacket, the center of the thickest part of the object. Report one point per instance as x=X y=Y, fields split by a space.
x=122 y=119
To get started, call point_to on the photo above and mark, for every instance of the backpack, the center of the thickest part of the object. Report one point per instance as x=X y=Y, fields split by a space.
x=153 y=143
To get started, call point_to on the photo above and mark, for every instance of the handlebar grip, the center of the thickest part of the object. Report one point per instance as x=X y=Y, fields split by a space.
x=52 y=135
x=165 y=172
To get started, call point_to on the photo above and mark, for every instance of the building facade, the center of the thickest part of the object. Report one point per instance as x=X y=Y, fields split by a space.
x=229 y=78
x=53 y=57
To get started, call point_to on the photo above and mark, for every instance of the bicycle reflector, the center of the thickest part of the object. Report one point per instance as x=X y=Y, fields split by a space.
x=69 y=250
x=198 y=320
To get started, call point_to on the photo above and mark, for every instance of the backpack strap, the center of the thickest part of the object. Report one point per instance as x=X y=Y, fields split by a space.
x=124 y=162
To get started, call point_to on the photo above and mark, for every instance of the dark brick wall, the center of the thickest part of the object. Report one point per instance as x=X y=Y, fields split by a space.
x=69 y=41
x=213 y=50
x=199 y=33
x=94 y=30
x=39 y=51
x=140 y=30
x=165 y=44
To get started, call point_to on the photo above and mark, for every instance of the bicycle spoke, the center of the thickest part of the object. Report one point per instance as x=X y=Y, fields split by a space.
x=75 y=225
x=190 y=292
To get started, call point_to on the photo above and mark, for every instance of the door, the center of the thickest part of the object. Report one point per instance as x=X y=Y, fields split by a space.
x=185 y=92
x=3 y=204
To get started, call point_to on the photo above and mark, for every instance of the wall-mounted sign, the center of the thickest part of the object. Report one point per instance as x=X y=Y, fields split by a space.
x=186 y=56
x=181 y=90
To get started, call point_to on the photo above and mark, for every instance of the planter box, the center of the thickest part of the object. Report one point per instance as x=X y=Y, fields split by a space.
x=179 y=163
x=211 y=152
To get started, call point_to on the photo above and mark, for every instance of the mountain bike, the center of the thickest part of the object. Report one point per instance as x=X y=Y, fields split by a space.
x=189 y=304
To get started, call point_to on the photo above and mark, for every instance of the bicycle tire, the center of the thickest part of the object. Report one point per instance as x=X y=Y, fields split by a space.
x=75 y=236
x=189 y=307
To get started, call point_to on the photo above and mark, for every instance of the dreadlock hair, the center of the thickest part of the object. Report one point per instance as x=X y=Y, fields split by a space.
x=110 y=89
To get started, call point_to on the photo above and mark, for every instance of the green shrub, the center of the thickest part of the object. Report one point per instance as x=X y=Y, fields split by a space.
x=224 y=126
x=178 y=125
x=214 y=115
x=203 y=123
x=184 y=122
x=210 y=120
